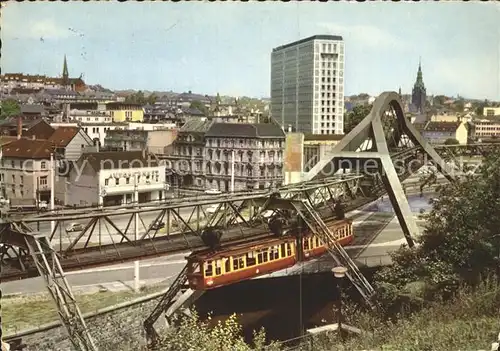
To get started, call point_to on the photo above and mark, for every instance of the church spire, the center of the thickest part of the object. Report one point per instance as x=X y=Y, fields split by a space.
x=420 y=78
x=65 y=74
x=419 y=95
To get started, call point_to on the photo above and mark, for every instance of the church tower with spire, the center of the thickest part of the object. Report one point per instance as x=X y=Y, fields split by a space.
x=418 y=96
x=65 y=74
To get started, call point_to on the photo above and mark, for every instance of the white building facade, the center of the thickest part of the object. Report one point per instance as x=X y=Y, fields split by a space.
x=116 y=178
x=307 y=85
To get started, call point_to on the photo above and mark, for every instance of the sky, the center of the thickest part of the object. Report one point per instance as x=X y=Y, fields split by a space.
x=226 y=47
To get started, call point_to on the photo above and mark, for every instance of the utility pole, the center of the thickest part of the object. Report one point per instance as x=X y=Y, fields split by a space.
x=232 y=171
x=136 y=232
x=52 y=184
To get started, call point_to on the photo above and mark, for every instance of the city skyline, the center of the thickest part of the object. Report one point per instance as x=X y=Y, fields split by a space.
x=226 y=47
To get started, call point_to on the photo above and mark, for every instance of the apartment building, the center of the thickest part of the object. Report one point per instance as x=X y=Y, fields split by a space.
x=484 y=129
x=202 y=156
x=24 y=169
x=439 y=132
x=254 y=150
x=307 y=85
x=154 y=141
x=491 y=111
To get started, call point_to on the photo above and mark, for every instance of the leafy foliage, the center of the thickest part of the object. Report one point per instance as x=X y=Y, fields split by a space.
x=461 y=242
x=9 y=108
x=469 y=321
x=194 y=335
x=140 y=98
x=451 y=141
x=199 y=106
x=352 y=118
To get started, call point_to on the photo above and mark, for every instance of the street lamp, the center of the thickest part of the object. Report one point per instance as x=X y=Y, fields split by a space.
x=339 y=273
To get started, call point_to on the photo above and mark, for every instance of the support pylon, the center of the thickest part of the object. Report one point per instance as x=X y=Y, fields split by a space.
x=373 y=144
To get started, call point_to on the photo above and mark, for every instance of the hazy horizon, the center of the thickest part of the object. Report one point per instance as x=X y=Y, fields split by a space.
x=226 y=47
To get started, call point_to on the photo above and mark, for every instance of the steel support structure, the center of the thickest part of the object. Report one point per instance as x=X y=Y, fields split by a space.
x=108 y=235
x=47 y=263
x=373 y=145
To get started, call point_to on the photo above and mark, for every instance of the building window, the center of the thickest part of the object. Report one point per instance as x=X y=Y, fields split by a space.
x=43 y=180
x=43 y=165
x=117 y=181
x=106 y=181
x=127 y=180
x=13 y=164
x=13 y=178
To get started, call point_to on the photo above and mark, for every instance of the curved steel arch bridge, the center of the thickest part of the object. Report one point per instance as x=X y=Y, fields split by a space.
x=373 y=159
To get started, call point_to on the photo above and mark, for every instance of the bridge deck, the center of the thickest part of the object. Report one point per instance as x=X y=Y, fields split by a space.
x=148 y=248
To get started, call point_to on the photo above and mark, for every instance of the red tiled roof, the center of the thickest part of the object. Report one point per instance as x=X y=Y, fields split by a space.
x=28 y=148
x=63 y=135
x=6 y=139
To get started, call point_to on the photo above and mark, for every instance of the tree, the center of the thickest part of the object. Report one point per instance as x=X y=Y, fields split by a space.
x=199 y=106
x=451 y=141
x=352 y=118
x=10 y=108
x=152 y=99
x=461 y=242
x=136 y=98
x=439 y=100
x=459 y=105
x=480 y=107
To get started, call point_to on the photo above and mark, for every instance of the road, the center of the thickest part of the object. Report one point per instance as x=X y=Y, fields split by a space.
x=120 y=277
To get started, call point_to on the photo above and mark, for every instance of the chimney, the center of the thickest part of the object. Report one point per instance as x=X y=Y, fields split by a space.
x=19 y=127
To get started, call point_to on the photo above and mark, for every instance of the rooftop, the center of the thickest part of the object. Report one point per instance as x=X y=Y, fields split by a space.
x=32 y=109
x=5 y=139
x=244 y=130
x=63 y=135
x=118 y=160
x=196 y=126
x=442 y=126
x=28 y=148
x=305 y=40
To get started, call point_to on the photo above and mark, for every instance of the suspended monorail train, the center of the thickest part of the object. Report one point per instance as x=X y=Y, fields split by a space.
x=209 y=268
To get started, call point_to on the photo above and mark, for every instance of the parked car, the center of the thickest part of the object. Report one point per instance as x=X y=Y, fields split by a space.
x=158 y=225
x=75 y=227
x=212 y=208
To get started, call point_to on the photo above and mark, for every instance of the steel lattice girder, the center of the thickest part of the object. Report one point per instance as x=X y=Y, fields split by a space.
x=48 y=266
x=114 y=241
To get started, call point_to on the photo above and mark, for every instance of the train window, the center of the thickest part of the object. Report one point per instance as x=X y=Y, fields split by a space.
x=306 y=243
x=316 y=240
x=283 y=252
x=238 y=262
x=275 y=253
x=227 y=265
x=194 y=267
x=208 y=269
x=218 y=267
x=288 y=249
x=262 y=255
x=251 y=261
